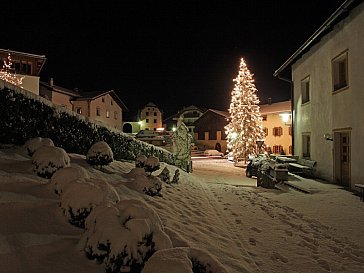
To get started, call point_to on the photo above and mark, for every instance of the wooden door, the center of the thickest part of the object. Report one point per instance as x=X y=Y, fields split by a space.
x=342 y=162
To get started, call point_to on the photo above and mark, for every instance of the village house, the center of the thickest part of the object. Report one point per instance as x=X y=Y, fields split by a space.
x=327 y=80
x=210 y=130
x=277 y=126
x=150 y=118
x=26 y=65
x=103 y=106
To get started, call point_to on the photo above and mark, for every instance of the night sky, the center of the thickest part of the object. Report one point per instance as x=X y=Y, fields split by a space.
x=173 y=53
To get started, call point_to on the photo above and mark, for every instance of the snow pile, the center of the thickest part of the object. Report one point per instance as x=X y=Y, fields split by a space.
x=140 y=161
x=123 y=236
x=183 y=260
x=100 y=154
x=151 y=164
x=164 y=175
x=35 y=143
x=64 y=176
x=48 y=159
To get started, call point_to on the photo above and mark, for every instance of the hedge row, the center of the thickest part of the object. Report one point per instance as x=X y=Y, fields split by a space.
x=24 y=116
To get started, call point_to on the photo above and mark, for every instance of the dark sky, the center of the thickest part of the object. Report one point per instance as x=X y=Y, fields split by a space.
x=173 y=53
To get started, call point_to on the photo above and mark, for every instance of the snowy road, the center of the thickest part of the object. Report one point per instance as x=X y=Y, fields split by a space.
x=252 y=229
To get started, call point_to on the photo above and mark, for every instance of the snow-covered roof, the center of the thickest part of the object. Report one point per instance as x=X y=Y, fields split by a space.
x=59 y=89
x=92 y=95
x=221 y=113
x=12 y=52
x=277 y=107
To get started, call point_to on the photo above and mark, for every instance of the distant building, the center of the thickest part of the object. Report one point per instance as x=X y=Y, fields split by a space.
x=27 y=65
x=210 y=130
x=277 y=126
x=150 y=117
x=103 y=106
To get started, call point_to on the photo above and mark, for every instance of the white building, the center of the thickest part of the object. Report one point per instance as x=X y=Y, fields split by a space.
x=327 y=73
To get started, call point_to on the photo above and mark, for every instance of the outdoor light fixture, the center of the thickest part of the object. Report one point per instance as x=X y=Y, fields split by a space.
x=285 y=117
x=328 y=136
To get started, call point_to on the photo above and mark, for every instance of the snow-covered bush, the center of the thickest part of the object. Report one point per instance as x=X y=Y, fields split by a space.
x=139 y=180
x=183 y=260
x=82 y=195
x=48 y=159
x=35 y=143
x=165 y=176
x=100 y=154
x=140 y=160
x=123 y=236
x=151 y=164
x=65 y=176
x=175 y=179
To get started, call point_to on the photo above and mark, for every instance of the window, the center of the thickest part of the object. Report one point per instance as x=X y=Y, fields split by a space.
x=147 y=120
x=147 y=113
x=107 y=113
x=290 y=130
x=111 y=102
x=265 y=130
x=264 y=117
x=79 y=110
x=155 y=114
x=340 y=71
x=306 y=145
x=305 y=89
x=212 y=135
x=115 y=115
x=277 y=131
x=103 y=99
x=98 y=111
x=155 y=121
x=201 y=135
x=277 y=149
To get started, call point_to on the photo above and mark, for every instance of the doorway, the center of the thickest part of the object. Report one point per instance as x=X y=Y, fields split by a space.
x=218 y=146
x=342 y=154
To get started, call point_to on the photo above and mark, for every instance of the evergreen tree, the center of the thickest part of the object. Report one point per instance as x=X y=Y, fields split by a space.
x=7 y=73
x=245 y=122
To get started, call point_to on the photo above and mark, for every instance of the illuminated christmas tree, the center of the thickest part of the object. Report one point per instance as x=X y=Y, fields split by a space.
x=245 y=122
x=7 y=73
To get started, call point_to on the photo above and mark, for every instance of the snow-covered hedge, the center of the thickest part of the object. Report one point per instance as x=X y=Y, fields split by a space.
x=48 y=159
x=35 y=143
x=25 y=116
x=123 y=236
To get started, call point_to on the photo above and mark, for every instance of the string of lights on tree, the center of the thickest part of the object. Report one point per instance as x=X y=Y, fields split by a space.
x=245 y=122
x=7 y=73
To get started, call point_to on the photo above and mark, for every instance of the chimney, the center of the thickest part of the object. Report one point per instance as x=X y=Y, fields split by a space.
x=269 y=101
x=51 y=82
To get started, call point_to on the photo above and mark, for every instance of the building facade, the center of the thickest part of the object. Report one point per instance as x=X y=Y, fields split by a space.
x=328 y=96
x=26 y=65
x=277 y=127
x=210 y=130
x=150 y=117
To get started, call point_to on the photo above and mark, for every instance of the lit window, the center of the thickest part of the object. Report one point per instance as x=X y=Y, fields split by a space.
x=277 y=131
x=340 y=71
x=306 y=145
x=305 y=89
x=107 y=113
x=79 y=110
x=98 y=111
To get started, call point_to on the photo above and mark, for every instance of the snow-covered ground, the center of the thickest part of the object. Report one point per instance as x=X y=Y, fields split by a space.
x=215 y=214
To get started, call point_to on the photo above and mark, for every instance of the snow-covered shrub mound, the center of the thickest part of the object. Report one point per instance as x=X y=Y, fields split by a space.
x=183 y=260
x=35 y=143
x=165 y=176
x=48 y=159
x=81 y=196
x=140 y=160
x=64 y=176
x=100 y=154
x=151 y=164
x=141 y=182
x=123 y=237
x=175 y=179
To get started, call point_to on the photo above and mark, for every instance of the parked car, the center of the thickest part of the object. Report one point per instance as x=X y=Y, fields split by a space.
x=213 y=153
x=146 y=134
